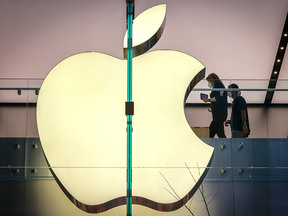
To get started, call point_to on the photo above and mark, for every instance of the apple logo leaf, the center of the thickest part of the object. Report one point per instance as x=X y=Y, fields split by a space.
x=147 y=29
x=82 y=127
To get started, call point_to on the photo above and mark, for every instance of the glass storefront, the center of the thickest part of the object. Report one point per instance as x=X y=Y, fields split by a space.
x=245 y=176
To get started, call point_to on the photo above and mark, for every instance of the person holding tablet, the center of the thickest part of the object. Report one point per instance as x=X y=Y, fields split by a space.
x=218 y=106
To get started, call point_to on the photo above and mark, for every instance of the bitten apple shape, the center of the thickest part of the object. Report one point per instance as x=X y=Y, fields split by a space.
x=82 y=126
x=81 y=123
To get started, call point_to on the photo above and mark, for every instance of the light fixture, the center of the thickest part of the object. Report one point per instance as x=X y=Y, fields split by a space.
x=277 y=63
x=241 y=170
x=17 y=145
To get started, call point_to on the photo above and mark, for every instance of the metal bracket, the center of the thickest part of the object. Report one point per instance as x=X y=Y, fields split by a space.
x=129 y=108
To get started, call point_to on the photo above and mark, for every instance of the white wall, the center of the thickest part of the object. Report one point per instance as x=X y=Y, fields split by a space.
x=278 y=122
x=235 y=39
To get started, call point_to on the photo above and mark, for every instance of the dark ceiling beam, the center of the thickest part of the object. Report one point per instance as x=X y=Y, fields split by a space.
x=277 y=63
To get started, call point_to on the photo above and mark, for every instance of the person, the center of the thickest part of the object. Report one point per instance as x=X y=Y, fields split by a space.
x=218 y=106
x=239 y=121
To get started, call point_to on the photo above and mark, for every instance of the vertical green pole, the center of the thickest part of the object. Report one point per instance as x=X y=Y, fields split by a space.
x=130 y=6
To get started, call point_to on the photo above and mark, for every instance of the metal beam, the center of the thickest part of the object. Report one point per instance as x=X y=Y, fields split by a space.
x=277 y=63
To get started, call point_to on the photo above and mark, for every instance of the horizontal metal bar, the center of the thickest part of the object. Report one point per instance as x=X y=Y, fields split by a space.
x=143 y=167
x=195 y=89
x=20 y=88
x=242 y=89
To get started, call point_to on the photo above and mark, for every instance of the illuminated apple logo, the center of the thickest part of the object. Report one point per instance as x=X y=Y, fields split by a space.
x=82 y=127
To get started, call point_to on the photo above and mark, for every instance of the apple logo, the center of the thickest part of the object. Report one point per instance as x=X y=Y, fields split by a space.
x=82 y=127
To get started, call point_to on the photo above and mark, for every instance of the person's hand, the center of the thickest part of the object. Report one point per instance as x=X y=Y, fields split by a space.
x=245 y=129
x=226 y=123
x=205 y=100
x=209 y=110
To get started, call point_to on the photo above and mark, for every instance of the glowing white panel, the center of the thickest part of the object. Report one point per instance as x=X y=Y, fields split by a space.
x=161 y=134
x=83 y=131
x=81 y=127
x=146 y=24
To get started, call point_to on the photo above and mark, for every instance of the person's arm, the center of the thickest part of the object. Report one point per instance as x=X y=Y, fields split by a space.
x=227 y=123
x=214 y=94
x=209 y=100
x=244 y=121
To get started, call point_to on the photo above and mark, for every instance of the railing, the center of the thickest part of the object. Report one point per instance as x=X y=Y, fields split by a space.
x=245 y=177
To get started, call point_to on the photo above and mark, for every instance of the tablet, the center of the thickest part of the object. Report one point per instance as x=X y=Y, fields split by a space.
x=203 y=96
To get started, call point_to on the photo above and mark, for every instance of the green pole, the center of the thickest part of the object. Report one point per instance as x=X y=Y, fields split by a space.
x=130 y=12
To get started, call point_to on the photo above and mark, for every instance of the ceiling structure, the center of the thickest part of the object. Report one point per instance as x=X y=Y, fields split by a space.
x=277 y=63
x=238 y=40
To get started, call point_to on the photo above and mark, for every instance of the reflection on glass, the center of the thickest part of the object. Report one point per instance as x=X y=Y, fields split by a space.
x=252 y=172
